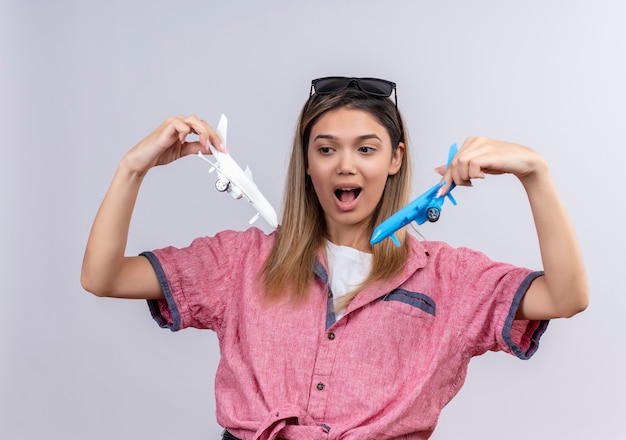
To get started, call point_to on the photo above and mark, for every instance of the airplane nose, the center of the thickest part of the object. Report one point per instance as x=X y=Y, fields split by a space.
x=377 y=236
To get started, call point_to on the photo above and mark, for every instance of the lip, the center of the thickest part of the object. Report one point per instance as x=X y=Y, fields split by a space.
x=347 y=206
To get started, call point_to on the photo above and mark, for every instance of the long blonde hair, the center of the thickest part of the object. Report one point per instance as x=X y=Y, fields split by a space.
x=288 y=271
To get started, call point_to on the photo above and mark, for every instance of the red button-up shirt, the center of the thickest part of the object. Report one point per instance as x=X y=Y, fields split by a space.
x=384 y=370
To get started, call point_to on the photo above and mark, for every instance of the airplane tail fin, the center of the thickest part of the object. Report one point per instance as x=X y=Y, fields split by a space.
x=222 y=127
x=451 y=153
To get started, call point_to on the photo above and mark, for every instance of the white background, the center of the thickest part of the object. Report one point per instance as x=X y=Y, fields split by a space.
x=82 y=81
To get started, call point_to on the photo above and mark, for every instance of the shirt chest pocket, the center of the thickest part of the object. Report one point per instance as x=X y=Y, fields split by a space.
x=411 y=303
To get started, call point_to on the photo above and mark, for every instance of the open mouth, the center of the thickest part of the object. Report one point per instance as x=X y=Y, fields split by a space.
x=347 y=194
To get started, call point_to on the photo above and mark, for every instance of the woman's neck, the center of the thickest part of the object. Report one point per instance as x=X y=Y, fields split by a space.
x=354 y=237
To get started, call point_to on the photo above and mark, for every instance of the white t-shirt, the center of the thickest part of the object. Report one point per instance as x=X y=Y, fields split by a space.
x=348 y=268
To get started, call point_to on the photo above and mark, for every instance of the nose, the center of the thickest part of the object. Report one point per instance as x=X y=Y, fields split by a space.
x=346 y=163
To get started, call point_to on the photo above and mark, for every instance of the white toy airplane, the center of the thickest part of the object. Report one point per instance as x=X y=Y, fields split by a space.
x=237 y=182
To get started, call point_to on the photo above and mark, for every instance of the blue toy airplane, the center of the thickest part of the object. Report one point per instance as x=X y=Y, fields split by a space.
x=425 y=207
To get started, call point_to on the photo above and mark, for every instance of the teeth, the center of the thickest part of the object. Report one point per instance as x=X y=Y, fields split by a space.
x=347 y=194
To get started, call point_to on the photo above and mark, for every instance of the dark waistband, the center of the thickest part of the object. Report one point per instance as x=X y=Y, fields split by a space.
x=228 y=436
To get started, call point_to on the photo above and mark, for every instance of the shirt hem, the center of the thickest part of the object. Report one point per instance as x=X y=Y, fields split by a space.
x=153 y=305
x=540 y=326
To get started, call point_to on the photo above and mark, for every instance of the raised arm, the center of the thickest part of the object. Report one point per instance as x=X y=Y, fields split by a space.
x=563 y=291
x=106 y=271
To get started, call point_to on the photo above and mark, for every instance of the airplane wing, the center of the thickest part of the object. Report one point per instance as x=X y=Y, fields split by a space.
x=237 y=182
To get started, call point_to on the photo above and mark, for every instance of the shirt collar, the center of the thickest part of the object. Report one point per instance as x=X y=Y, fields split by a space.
x=418 y=258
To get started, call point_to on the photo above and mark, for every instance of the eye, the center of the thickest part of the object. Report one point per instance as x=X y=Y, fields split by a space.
x=366 y=149
x=325 y=150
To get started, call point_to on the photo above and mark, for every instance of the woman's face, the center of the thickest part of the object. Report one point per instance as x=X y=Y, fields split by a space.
x=350 y=157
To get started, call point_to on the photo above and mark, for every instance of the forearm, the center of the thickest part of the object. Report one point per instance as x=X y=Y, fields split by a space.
x=566 y=289
x=104 y=254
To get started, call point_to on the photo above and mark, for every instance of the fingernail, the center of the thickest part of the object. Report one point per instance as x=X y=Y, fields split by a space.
x=440 y=190
x=223 y=148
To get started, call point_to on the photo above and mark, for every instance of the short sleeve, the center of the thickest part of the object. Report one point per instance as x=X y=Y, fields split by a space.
x=195 y=281
x=490 y=297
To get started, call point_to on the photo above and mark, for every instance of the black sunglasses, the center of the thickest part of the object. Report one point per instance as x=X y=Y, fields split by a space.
x=371 y=86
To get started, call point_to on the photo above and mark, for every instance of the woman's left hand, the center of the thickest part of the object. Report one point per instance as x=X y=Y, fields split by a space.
x=563 y=290
x=480 y=156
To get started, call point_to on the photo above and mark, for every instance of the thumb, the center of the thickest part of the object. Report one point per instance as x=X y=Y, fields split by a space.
x=441 y=170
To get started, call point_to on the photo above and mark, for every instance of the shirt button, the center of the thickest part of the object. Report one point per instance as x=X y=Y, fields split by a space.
x=320 y=386
x=331 y=336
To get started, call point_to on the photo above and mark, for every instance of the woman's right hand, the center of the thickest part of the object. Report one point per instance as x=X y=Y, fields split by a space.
x=168 y=143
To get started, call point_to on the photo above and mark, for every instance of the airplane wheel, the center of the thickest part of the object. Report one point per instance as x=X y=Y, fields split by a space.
x=221 y=185
x=433 y=214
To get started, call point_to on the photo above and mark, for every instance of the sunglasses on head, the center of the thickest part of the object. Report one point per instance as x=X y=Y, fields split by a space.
x=371 y=86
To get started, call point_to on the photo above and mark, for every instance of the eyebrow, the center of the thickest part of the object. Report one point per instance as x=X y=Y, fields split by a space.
x=360 y=138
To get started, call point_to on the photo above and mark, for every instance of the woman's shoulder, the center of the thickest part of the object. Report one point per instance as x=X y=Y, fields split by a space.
x=252 y=233
x=251 y=238
x=440 y=250
x=429 y=247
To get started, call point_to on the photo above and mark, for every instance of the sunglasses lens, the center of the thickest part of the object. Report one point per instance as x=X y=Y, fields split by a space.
x=371 y=86
x=376 y=87
x=330 y=85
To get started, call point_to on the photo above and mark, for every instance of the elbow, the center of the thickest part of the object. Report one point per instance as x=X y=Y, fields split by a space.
x=90 y=287
x=578 y=305
x=568 y=298
x=89 y=284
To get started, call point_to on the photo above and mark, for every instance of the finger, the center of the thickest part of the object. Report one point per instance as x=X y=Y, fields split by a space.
x=458 y=171
x=469 y=144
x=485 y=156
x=444 y=188
x=177 y=128
x=468 y=163
x=472 y=166
x=441 y=169
x=205 y=132
x=191 y=148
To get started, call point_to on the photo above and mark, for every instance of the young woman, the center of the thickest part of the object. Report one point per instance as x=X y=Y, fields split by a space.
x=322 y=335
